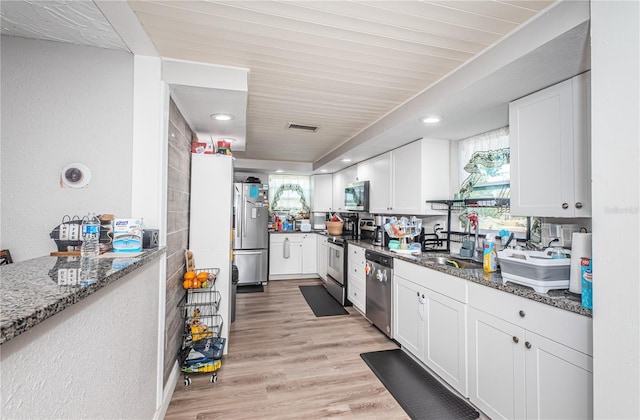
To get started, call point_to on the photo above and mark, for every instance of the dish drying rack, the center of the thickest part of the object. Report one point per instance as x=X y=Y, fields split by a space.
x=450 y=206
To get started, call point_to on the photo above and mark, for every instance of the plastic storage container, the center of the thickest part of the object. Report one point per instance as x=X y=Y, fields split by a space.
x=535 y=269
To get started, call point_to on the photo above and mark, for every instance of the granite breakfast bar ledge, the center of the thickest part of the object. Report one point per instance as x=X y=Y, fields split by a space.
x=34 y=290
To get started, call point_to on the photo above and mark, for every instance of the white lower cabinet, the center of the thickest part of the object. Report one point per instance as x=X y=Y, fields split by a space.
x=528 y=360
x=514 y=358
x=356 y=277
x=409 y=315
x=309 y=253
x=322 y=256
x=429 y=322
x=292 y=254
x=285 y=254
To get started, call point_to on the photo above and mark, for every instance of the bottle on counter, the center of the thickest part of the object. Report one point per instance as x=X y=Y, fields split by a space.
x=90 y=249
x=489 y=257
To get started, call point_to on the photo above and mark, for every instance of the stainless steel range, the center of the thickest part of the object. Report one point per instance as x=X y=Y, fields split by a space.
x=336 y=269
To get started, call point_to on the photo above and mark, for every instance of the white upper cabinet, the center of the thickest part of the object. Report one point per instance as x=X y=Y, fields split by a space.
x=340 y=179
x=380 y=183
x=550 y=141
x=400 y=181
x=322 y=193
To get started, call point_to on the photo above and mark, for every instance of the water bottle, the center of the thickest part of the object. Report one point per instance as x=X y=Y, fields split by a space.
x=90 y=249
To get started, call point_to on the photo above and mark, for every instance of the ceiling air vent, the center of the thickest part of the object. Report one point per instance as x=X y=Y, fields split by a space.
x=303 y=127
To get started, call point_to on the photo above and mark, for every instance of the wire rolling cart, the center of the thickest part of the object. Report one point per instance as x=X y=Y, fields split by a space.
x=202 y=346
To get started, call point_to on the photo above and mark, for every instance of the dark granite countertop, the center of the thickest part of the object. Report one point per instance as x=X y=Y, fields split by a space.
x=34 y=290
x=559 y=298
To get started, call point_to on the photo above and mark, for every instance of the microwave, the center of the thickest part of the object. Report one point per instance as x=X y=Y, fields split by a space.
x=356 y=196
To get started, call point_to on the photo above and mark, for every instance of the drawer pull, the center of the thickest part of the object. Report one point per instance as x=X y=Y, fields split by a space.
x=527 y=345
x=522 y=314
x=578 y=205
x=565 y=206
x=516 y=339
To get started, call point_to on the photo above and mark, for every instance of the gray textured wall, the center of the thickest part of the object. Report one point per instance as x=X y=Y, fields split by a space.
x=178 y=187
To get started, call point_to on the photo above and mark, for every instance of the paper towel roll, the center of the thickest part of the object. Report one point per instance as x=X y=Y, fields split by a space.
x=580 y=247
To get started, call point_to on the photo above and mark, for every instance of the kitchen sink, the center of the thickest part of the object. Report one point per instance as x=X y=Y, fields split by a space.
x=455 y=262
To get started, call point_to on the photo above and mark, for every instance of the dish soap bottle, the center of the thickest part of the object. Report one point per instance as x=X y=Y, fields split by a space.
x=489 y=257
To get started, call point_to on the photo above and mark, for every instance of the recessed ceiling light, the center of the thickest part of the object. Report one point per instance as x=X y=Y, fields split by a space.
x=431 y=119
x=279 y=171
x=222 y=117
x=345 y=160
x=323 y=170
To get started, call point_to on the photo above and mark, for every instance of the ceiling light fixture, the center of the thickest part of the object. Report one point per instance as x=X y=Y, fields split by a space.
x=345 y=160
x=323 y=170
x=431 y=119
x=222 y=117
x=279 y=171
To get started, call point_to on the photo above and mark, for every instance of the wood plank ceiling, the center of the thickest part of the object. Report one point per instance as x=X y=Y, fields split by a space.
x=339 y=65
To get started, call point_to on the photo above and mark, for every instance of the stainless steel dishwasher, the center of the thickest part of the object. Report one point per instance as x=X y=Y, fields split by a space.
x=379 y=271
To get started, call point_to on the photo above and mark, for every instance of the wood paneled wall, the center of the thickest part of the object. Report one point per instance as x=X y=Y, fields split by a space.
x=178 y=188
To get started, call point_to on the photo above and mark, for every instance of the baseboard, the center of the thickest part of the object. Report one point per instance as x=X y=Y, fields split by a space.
x=168 y=392
x=293 y=276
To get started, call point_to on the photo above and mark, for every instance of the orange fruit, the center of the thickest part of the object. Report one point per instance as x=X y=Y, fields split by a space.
x=195 y=283
x=203 y=276
x=186 y=284
x=190 y=275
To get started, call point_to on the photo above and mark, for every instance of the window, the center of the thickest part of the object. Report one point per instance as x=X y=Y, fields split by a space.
x=288 y=195
x=485 y=173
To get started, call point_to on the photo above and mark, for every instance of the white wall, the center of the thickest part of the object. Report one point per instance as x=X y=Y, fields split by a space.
x=61 y=103
x=95 y=360
x=615 y=75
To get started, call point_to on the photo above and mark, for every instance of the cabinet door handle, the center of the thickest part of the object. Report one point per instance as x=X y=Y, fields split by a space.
x=527 y=345
x=565 y=206
x=522 y=314
x=516 y=339
x=578 y=205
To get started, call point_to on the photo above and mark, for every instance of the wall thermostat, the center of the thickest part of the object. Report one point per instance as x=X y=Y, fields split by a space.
x=75 y=175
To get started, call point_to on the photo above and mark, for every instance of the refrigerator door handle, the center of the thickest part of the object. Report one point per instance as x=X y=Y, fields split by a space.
x=244 y=208
x=236 y=215
x=238 y=252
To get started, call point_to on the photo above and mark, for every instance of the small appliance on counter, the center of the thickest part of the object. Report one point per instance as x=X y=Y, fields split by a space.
x=303 y=225
x=381 y=238
x=351 y=226
x=318 y=220
x=367 y=230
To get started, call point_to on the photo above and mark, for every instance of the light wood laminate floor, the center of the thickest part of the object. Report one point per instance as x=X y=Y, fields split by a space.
x=284 y=363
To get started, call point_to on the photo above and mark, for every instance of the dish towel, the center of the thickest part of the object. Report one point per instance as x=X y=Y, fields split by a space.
x=286 y=248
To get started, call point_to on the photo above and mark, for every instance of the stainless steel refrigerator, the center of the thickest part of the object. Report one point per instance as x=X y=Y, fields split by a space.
x=250 y=237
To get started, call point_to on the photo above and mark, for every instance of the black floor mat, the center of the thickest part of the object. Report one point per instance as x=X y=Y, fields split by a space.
x=252 y=288
x=321 y=302
x=421 y=395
